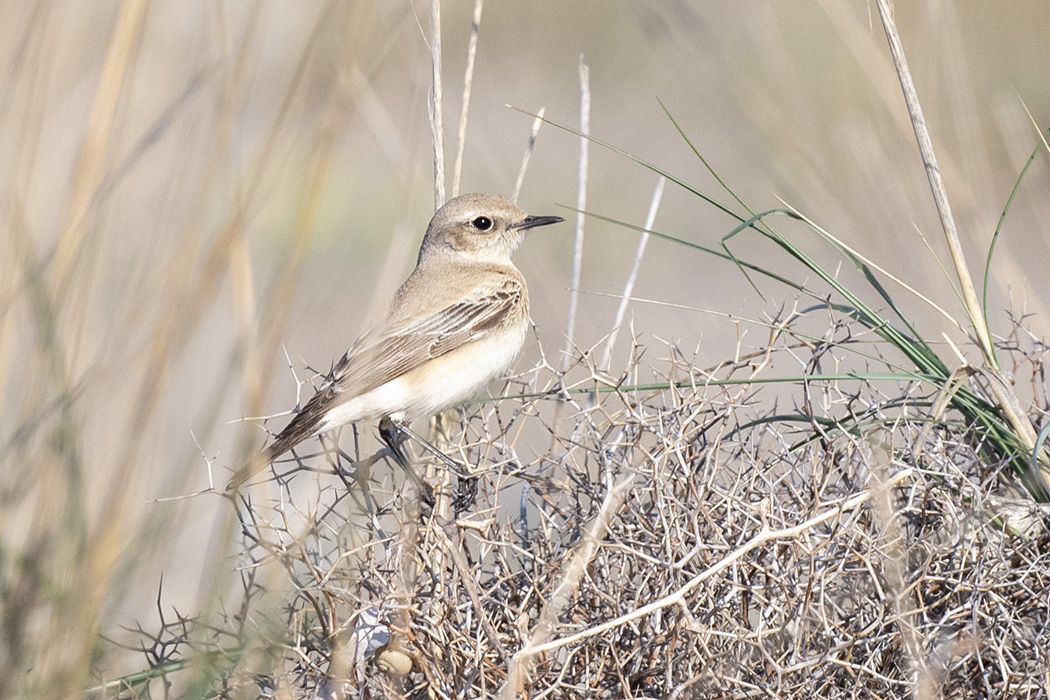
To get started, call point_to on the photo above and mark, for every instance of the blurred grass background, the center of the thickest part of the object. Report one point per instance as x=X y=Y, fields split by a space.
x=185 y=187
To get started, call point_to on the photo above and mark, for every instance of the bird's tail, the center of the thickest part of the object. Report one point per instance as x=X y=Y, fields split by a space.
x=302 y=426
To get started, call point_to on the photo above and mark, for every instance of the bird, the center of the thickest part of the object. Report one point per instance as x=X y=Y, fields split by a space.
x=457 y=323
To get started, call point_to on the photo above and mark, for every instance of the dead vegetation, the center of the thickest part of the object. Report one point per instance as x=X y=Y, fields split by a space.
x=683 y=542
x=701 y=534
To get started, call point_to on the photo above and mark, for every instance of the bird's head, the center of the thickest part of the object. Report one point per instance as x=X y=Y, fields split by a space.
x=481 y=226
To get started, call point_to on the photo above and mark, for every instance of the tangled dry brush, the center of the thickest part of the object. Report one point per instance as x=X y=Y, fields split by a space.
x=691 y=541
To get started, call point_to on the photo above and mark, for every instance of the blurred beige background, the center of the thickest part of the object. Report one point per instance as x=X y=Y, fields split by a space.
x=239 y=121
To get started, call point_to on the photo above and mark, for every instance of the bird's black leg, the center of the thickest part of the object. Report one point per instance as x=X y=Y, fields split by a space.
x=451 y=463
x=394 y=435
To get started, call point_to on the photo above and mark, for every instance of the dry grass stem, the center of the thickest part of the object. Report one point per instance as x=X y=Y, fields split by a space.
x=628 y=288
x=464 y=109
x=581 y=206
x=536 y=124
x=998 y=384
x=437 y=126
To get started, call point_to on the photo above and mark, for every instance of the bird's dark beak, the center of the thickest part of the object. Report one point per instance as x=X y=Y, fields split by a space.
x=534 y=221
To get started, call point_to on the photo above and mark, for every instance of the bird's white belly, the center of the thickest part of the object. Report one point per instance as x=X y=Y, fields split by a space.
x=435 y=386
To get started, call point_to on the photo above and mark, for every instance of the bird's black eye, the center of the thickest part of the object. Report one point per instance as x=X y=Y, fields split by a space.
x=482 y=223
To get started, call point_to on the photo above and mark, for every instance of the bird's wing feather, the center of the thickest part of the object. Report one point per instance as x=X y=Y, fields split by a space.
x=390 y=351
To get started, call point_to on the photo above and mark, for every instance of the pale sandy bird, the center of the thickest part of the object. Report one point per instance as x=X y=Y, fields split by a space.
x=457 y=323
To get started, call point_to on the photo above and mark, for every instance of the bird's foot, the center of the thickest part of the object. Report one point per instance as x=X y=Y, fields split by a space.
x=394 y=434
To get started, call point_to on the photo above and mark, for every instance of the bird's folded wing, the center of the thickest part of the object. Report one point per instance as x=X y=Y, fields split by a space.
x=389 y=352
